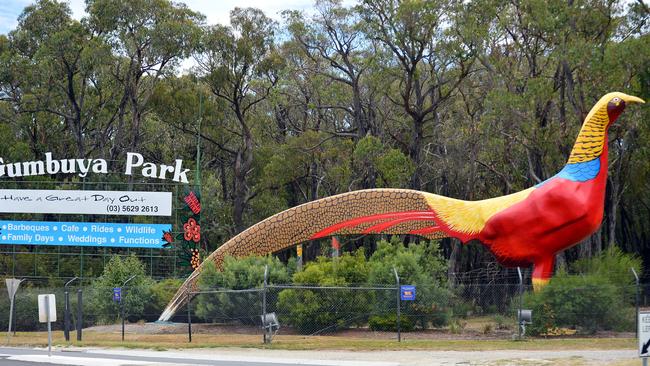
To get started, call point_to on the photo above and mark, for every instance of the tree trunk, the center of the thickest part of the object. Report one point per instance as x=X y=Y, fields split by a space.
x=415 y=152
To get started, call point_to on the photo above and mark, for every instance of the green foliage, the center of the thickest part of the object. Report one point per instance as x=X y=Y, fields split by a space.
x=26 y=308
x=599 y=298
x=313 y=310
x=135 y=296
x=348 y=269
x=614 y=265
x=421 y=265
x=372 y=157
x=237 y=274
x=161 y=293
x=389 y=323
x=395 y=168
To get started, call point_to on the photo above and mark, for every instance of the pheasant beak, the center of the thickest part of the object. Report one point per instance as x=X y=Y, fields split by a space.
x=632 y=99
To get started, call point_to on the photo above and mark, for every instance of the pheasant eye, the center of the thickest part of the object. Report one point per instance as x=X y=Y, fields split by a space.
x=616 y=100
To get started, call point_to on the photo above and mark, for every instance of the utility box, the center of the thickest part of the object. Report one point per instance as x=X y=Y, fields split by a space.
x=525 y=316
x=46 y=303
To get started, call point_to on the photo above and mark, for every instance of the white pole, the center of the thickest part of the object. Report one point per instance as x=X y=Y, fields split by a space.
x=11 y=313
x=49 y=326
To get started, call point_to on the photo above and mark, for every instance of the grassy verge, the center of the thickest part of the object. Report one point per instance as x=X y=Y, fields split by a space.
x=178 y=341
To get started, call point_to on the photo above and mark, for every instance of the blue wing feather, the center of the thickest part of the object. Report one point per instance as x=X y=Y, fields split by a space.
x=577 y=172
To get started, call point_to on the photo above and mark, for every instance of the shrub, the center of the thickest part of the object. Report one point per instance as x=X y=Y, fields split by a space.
x=313 y=310
x=134 y=296
x=613 y=265
x=26 y=308
x=389 y=323
x=237 y=274
x=421 y=265
x=589 y=301
x=161 y=293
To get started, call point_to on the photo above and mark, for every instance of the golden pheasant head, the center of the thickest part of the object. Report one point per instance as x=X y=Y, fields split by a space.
x=592 y=137
x=615 y=104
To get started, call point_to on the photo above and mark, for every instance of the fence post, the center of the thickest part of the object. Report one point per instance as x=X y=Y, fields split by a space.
x=399 y=305
x=189 y=316
x=636 y=279
x=79 y=313
x=521 y=300
x=66 y=315
x=66 y=310
x=122 y=298
x=265 y=283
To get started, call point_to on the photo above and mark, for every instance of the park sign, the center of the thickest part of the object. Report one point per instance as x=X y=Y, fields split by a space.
x=134 y=162
x=43 y=201
x=93 y=234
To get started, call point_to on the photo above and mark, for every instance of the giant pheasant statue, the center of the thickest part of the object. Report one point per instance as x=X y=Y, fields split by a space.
x=520 y=229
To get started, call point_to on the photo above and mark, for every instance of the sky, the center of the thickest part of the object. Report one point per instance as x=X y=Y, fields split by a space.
x=216 y=11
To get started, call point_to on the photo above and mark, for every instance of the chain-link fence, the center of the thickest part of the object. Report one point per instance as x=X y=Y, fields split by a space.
x=437 y=310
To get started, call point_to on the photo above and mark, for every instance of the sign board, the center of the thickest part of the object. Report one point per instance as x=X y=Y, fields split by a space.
x=43 y=308
x=134 y=163
x=93 y=234
x=644 y=333
x=117 y=294
x=407 y=292
x=12 y=286
x=131 y=203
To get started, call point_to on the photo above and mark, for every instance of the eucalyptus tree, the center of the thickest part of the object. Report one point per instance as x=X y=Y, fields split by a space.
x=148 y=38
x=334 y=43
x=54 y=71
x=240 y=65
x=429 y=63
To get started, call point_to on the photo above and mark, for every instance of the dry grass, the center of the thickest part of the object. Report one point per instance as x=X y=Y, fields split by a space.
x=176 y=341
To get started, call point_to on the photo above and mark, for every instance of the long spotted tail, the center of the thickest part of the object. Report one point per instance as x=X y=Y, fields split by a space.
x=381 y=211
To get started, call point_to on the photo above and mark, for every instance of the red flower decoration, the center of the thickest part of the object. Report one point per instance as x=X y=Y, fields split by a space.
x=167 y=236
x=192 y=230
x=193 y=203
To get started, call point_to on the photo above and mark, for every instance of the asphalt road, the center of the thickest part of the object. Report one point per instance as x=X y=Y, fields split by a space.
x=38 y=357
x=5 y=362
x=265 y=357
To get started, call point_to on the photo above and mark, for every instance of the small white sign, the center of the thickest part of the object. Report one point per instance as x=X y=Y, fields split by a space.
x=12 y=286
x=132 y=203
x=644 y=333
x=43 y=307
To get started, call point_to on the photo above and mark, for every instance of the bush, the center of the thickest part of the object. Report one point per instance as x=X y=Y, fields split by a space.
x=26 y=309
x=592 y=300
x=161 y=293
x=314 y=310
x=237 y=274
x=613 y=265
x=134 y=296
x=389 y=323
x=421 y=265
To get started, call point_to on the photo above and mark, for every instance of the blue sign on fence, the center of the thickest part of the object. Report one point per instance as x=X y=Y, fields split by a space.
x=407 y=292
x=117 y=294
x=93 y=234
